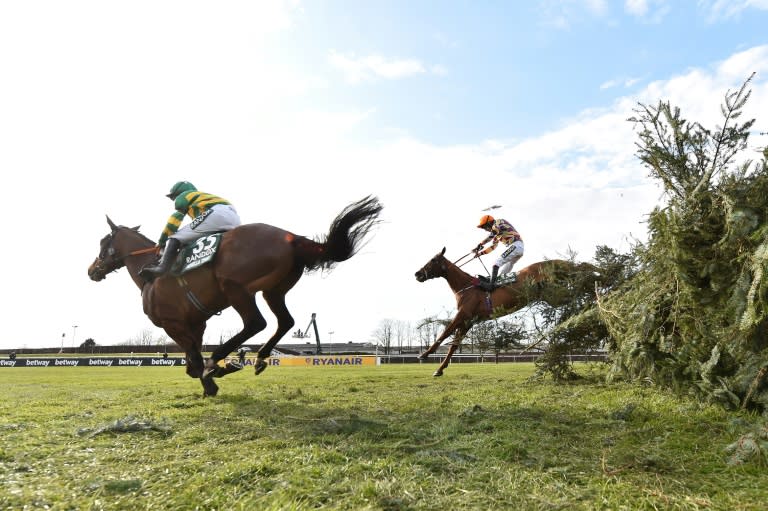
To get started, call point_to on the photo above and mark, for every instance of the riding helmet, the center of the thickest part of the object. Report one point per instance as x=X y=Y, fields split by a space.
x=485 y=219
x=179 y=188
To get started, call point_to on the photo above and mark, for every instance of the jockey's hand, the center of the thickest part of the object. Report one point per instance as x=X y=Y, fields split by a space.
x=478 y=248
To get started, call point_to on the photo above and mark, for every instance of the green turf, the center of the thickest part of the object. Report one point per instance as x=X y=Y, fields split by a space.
x=390 y=437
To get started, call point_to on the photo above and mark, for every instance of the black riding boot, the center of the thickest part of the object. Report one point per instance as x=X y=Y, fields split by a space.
x=494 y=274
x=155 y=270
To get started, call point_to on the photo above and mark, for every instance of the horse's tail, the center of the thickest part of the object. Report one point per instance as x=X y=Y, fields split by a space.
x=344 y=237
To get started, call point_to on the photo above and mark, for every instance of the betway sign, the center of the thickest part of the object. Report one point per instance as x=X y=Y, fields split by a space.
x=93 y=361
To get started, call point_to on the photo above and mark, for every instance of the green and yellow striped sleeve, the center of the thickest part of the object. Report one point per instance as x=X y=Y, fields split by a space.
x=174 y=221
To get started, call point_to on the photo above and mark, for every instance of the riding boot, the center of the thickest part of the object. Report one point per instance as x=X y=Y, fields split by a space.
x=494 y=274
x=155 y=270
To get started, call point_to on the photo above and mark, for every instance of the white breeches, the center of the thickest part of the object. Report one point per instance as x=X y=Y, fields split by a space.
x=509 y=257
x=221 y=217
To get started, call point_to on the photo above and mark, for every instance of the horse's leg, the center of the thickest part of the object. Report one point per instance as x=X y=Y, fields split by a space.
x=452 y=326
x=194 y=363
x=457 y=338
x=191 y=340
x=253 y=322
x=276 y=301
x=195 y=370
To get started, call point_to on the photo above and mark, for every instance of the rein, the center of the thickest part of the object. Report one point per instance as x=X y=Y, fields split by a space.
x=484 y=267
x=456 y=262
x=138 y=252
x=142 y=251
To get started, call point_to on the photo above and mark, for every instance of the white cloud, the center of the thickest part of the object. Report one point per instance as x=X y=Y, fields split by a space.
x=596 y=6
x=562 y=14
x=624 y=82
x=359 y=69
x=636 y=7
x=649 y=11
x=609 y=84
x=725 y=9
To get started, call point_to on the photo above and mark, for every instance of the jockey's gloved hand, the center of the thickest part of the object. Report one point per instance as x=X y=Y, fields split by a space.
x=478 y=248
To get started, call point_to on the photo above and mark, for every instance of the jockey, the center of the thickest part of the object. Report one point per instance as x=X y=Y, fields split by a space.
x=209 y=213
x=500 y=231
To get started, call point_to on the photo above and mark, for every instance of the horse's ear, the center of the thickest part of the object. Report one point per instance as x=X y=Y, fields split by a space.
x=135 y=228
x=443 y=252
x=111 y=224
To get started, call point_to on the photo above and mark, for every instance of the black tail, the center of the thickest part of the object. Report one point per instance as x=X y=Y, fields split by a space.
x=344 y=237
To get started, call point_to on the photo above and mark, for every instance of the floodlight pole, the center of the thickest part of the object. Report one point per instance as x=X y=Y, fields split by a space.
x=313 y=323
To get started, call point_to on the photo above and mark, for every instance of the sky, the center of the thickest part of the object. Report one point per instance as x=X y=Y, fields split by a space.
x=292 y=110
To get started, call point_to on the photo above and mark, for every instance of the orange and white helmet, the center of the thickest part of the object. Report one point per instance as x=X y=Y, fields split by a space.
x=485 y=220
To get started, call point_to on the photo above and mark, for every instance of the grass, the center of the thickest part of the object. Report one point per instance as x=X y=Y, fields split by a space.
x=388 y=438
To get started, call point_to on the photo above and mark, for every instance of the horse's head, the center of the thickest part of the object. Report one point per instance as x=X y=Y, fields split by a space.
x=112 y=252
x=436 y=267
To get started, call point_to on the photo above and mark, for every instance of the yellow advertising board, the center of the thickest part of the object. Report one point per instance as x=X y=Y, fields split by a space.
x=318 y=361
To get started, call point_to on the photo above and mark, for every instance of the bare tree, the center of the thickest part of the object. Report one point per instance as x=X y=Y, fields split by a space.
x=429 y=328
x=401 y=333
x=143 y=338
x=384 y=333
x=146 y=339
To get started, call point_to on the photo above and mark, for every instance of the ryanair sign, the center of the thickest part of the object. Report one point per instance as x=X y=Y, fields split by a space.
x=318 y=361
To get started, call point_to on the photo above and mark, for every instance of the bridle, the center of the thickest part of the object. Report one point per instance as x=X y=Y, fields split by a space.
x=427 y=270
x=106 y=262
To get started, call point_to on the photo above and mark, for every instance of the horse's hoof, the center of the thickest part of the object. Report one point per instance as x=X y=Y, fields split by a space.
x=210 y=389
x=209 y=368
x=437 y=373
x=423 y=356
x=259 y=366
x=232 y=367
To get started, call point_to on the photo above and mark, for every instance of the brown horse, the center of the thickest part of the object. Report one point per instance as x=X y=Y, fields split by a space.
x=250 y=258
x=538 y=282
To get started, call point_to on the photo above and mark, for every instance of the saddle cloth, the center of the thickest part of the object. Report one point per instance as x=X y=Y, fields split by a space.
x=197 y=253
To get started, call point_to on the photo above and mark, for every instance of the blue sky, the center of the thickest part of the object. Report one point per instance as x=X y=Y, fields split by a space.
x=507 y=69
x=294 y=109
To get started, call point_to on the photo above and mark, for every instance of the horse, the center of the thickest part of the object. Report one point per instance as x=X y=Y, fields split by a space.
x=250 y=258
x=539 y=282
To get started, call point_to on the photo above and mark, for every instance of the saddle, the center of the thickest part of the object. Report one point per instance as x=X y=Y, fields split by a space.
x=502 y=280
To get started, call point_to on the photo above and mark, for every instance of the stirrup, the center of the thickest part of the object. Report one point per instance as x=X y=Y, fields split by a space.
x=485 y=285
x=153 y=269
x=150 y=273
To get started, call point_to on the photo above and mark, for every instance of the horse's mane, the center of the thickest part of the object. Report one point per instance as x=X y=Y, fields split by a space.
x=136 y=230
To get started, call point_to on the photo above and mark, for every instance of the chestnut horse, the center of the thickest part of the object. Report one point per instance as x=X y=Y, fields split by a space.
x=540 y=282
x=250 y=258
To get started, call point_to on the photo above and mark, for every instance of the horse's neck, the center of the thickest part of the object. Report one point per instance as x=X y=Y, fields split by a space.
x=457 y=278
x=136 y=262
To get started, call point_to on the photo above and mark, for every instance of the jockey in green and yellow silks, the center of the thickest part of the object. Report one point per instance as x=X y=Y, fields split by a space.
x=209 y=214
